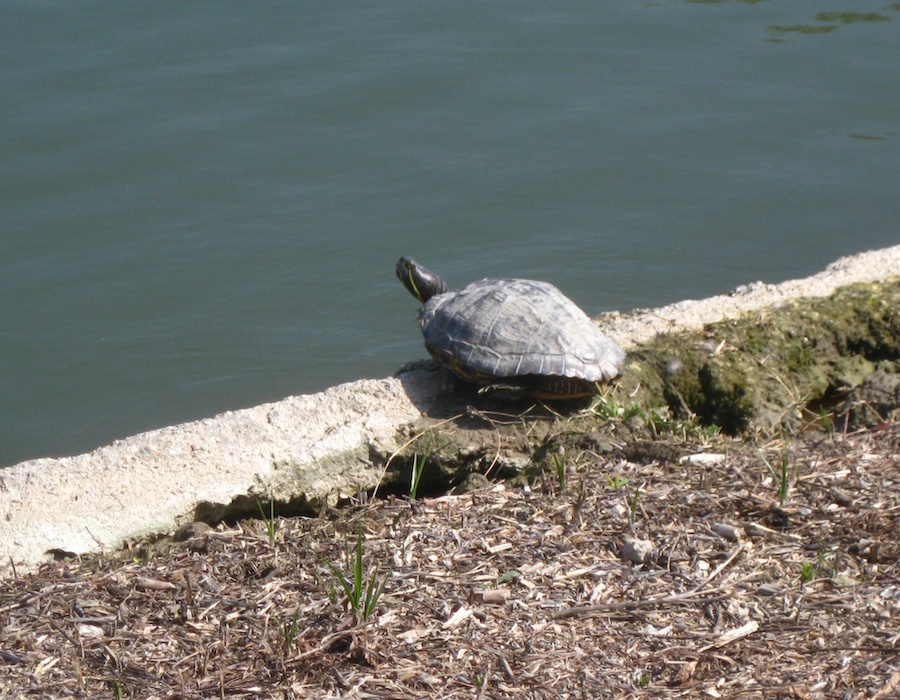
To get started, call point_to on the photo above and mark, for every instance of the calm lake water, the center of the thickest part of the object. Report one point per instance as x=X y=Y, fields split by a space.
x=203 y=202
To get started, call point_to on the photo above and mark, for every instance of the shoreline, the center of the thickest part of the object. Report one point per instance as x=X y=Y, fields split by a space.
x=316 y=445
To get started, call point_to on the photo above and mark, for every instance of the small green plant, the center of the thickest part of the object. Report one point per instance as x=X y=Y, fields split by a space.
x=290 y=633
x=633 y=499
x=616 y=481
x=644 y=680
x=415 y=475
x=362 y=595
x=608 y=408
x=508 y=576
x=661 y=422
x=820 y=555
x=807 y=571
x=559 y=464
x=118 y=693
x=821 y=562
x=827 y=423
x=143 y=556
x=781 y=474
x=269 y=519
x=658 y=420
x=819 y=568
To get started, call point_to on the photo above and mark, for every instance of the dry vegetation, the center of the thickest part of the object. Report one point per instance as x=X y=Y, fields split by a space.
x=743 y=590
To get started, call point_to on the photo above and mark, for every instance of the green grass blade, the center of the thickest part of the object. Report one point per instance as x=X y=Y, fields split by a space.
x=373 y=594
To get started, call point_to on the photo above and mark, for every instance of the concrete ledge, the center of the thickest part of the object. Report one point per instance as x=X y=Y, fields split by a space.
x=153 y=482
x=635 y=327
x=310 y=447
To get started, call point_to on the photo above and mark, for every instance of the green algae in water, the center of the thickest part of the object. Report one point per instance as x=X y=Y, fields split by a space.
x=851 y=17
x=803 y=28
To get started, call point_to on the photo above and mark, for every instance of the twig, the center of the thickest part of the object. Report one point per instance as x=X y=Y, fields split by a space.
x=720 y=568
x=681 y=598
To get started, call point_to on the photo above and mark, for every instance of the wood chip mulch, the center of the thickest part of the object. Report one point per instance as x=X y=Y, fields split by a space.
x=663 y=579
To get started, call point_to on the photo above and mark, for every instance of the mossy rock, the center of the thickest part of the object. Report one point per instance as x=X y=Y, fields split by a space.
x=760 y=372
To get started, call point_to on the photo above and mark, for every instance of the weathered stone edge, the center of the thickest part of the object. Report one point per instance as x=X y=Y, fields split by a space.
x=639 y=326
x=153 y=482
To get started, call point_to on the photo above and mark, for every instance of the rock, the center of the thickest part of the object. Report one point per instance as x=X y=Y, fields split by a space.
x=637 y=550
x=702 y=459
x=491 y=596
x=769 y=589
x=729 y=532
x=191 y=530
x=875 y=401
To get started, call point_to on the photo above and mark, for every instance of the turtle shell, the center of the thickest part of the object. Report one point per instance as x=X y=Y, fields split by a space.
x=523 y=332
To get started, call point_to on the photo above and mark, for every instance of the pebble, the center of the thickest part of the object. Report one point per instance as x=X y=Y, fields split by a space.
x=769 y=589
x=637 y=550
x=729 y=532
x=702 y=459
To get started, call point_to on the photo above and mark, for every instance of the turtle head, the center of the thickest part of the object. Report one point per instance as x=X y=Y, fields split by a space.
x=421 y=282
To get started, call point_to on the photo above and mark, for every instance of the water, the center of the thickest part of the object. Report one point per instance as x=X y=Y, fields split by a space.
x=203 y=203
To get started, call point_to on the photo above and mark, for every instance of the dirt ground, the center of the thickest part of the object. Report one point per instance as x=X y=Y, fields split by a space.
x=699 y=568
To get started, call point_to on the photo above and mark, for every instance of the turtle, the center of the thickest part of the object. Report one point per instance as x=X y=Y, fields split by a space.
x=519 y=336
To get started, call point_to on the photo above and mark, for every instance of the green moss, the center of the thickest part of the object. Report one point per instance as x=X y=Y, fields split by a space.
x=803 y=28
x=851 y=17
x=758 y=371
